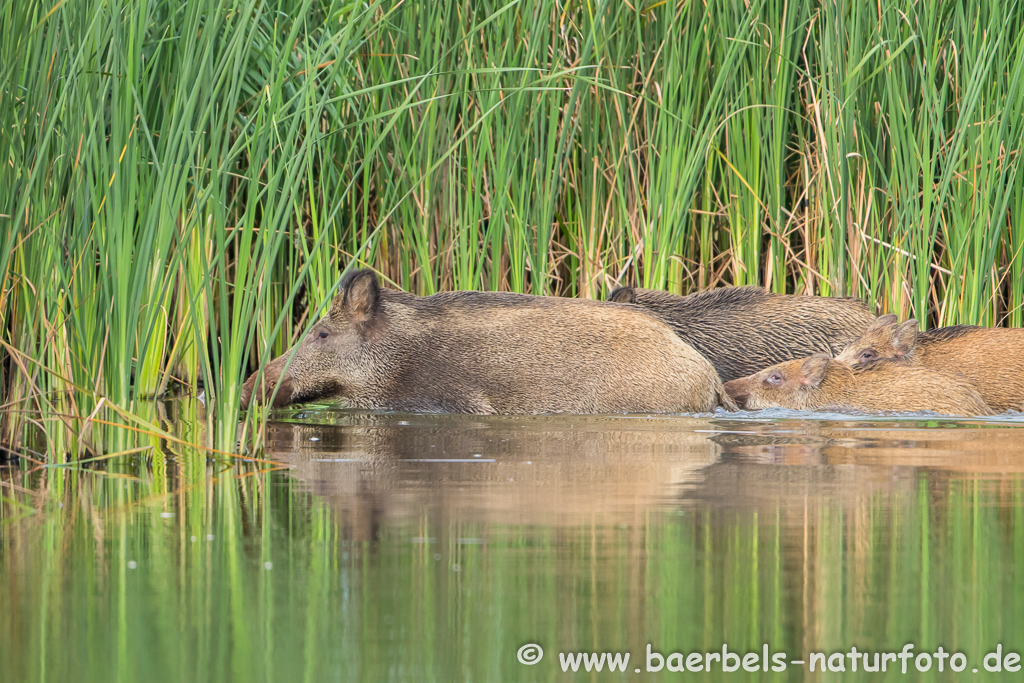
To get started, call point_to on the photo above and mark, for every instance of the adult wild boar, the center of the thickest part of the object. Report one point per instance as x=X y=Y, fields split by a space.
x=489 y=352
x=744 y=329
x=823 y=383
x=990 y=358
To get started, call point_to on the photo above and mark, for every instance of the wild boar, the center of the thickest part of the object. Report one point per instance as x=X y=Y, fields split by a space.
x=990 y=358
x=823 y=383
x=745 y=329
x=489 y=352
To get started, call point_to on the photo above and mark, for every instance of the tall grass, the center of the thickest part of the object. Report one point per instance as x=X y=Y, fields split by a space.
x=182 y=184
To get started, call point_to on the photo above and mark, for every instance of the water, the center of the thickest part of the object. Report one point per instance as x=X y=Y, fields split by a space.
x=436 y=548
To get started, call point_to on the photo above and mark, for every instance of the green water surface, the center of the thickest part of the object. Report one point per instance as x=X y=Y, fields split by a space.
x=431 y=548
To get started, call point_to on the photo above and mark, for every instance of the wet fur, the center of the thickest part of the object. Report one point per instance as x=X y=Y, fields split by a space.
x=744 y=329
x=990 y=358
x=481 y=352
x=823 y=383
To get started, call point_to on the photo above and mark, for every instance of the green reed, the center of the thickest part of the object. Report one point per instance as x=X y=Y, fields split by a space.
x=182 y=186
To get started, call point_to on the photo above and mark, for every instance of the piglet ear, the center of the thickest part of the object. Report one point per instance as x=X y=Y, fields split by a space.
x=359 y=298
x=814 y=368
x=905 y=338
x=623 y=295
x=883 y=321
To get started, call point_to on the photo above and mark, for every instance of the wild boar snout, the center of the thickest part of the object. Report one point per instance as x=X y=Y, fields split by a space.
x=738 y=390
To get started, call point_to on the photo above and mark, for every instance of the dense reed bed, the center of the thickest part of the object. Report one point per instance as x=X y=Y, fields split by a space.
x=182 y=184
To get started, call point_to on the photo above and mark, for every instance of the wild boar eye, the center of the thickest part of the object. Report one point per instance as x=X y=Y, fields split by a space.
x=322 y=335
x=868 y=354
x=775 y=379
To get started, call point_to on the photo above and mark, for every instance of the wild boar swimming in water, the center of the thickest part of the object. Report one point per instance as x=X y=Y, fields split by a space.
x=823 y=383
x=990 y=358
x=745 y=329
x=489 y=352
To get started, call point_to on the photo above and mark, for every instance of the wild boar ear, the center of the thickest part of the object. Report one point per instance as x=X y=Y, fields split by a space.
x=906 y=338
x=359 y=297
x=813 y=369
x=623 y=295
x=883 y=321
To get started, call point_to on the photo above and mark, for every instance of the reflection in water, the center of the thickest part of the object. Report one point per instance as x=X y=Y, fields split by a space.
x=411 y=547
x=505 y=470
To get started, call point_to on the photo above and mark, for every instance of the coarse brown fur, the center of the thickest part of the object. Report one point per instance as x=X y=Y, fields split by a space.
x=823 y=383
x=744 y=329
x=991 y=358
x=489 y=352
